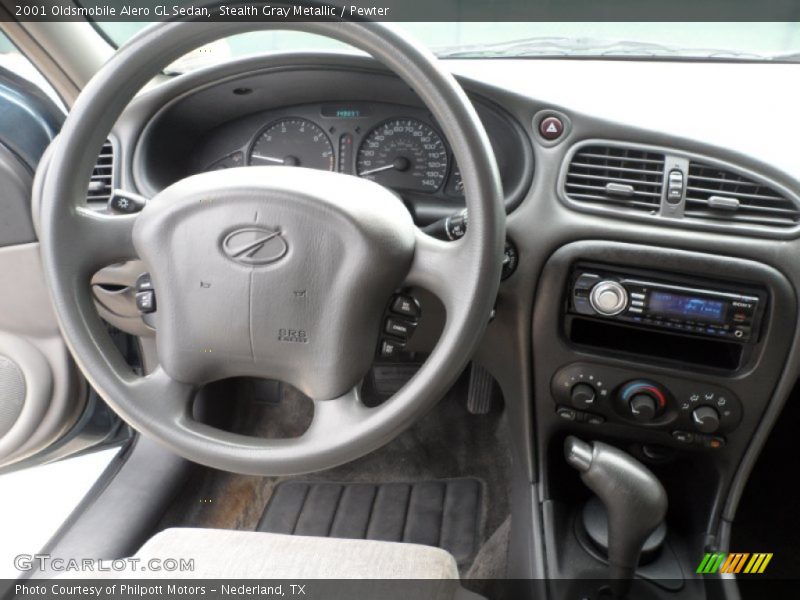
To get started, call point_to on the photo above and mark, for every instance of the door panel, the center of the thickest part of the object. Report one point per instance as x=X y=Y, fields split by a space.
x=45 y=403
x=16 y=226
x=31 y=345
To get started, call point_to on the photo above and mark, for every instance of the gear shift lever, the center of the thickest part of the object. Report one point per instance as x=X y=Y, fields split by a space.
x=634 y=498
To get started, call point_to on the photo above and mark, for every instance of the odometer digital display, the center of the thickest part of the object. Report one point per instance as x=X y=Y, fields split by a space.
x=403 y=154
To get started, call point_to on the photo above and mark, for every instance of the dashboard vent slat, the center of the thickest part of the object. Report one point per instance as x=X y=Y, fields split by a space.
x=622 y=154
x=605 y=190
x=654 y=184
x=616 y=175
x=712 y=192
x=723 y=195
x=101 y=183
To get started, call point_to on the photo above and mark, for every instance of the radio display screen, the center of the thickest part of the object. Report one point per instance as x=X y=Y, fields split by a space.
x=687 y=307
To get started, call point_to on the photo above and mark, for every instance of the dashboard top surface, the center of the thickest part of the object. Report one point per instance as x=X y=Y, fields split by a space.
x=203 y=119
x=745 y=108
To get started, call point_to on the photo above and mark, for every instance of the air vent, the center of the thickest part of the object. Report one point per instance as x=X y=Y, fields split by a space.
x=102 y=182
x=719 y=194
x=625 y=177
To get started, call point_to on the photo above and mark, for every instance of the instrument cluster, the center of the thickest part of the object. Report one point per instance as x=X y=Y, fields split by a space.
x=398 y=147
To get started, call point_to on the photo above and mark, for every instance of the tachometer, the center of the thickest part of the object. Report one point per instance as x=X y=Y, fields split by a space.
x=405 y=154
x=293 y=142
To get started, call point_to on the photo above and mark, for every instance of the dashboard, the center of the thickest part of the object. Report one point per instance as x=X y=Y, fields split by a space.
x=595 y=202
x=366 y=125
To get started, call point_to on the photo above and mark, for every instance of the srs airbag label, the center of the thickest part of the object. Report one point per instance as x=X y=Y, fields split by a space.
x=295 y=336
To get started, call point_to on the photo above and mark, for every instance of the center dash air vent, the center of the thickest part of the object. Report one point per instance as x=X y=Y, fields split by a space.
x=719 y=194
x=618 y=175
x=101 y=184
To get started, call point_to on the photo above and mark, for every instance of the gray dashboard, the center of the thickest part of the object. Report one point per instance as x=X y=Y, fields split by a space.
x=342 y=115
x=185 y=125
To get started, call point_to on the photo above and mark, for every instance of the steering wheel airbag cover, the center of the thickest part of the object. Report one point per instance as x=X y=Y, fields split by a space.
x=255 y=268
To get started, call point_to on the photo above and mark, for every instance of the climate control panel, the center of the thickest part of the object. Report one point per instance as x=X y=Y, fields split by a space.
x=691 y=412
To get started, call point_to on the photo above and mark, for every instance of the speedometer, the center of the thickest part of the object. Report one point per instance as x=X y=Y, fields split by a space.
x=293 y=142
x=404 y=154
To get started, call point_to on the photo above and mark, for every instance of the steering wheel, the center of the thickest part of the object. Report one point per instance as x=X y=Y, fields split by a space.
x=272 y=272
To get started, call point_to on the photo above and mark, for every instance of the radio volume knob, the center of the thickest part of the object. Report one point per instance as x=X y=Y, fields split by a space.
x=608 y=298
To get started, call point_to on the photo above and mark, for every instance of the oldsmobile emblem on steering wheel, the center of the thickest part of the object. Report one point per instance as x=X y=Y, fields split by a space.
x=255 y=245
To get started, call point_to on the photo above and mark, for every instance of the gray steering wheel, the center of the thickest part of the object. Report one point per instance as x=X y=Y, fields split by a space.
x=273 y=272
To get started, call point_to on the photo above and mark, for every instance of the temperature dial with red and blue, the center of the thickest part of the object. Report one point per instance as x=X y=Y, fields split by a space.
x=645 y=400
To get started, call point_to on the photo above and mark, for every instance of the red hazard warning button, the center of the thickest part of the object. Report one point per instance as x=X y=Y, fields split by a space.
x=551 y=128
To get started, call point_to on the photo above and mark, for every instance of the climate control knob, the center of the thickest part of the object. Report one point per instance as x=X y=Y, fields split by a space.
x=643 y=400
x=643 y=407
x=608 y=298
x=705 y=419
x=582 y=395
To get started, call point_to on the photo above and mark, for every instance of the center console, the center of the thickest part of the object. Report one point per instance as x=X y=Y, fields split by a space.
x=670 y=357
x=663 y=316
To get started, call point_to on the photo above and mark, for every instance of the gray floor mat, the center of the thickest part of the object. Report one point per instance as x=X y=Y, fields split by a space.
x=442 y=513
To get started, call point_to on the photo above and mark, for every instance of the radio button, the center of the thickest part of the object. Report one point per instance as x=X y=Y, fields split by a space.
x=608 y=298
x=582 y=306
x=585 y=281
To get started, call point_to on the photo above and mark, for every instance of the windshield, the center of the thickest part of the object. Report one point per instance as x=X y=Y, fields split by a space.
x=710 y=41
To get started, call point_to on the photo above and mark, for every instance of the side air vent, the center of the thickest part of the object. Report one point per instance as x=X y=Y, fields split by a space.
x=102 y=182
x=617 y=175
x=719 y=194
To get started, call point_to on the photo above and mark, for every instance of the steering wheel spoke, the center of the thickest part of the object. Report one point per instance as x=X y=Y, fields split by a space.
x=104 y=238
x=436 y=263
x=336 y=416
x=159 y=394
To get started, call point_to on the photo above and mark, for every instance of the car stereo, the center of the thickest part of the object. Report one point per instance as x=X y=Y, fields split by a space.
x=731 y=313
